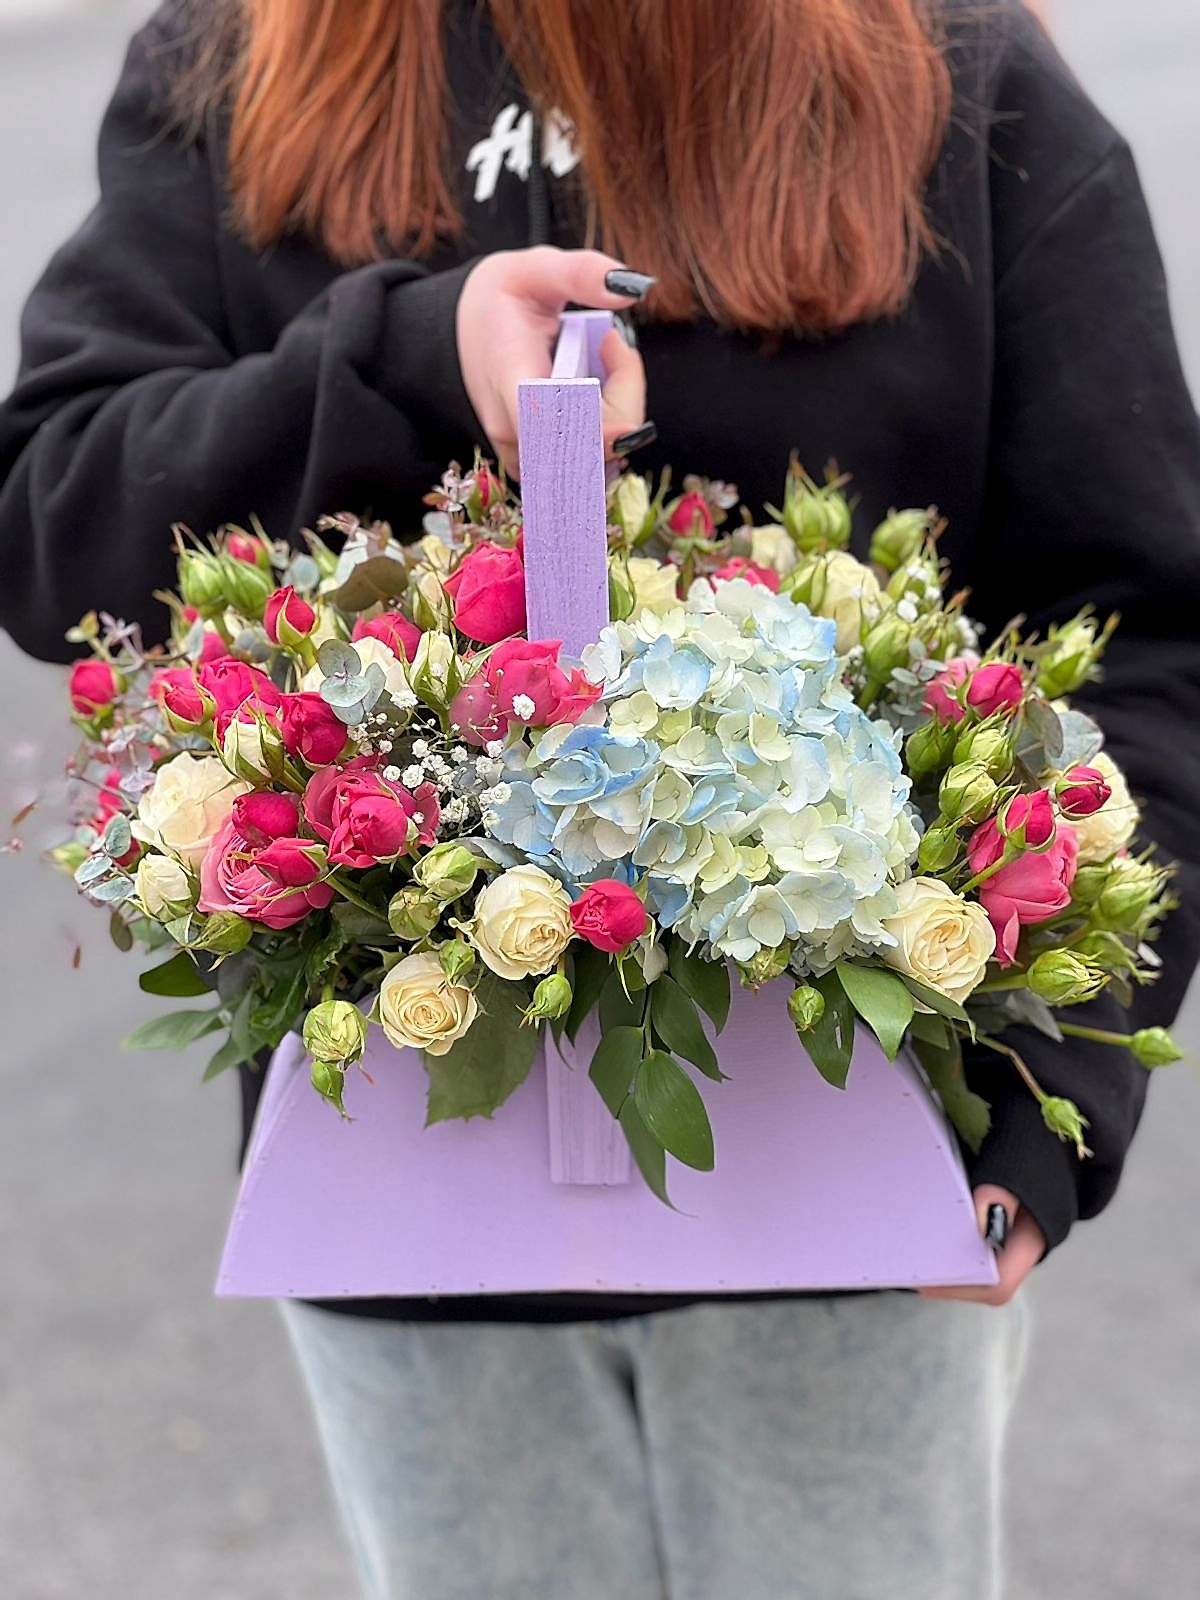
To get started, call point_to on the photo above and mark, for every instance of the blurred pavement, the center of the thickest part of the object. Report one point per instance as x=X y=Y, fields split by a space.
x=154 y=1444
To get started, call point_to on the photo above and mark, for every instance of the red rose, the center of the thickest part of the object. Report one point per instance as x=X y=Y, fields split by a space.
x=692 y=514
x=392 y=629
x=1082 y=791
x=287 y=618
x=740 y=567
x=368 y=819
x=232 y=683
x=488 y=590
x=609 y=915
x=998 y=686
x=264 y=815
x=311 y=729
x=94 y=685
x=212 y=647
x=276 y=884
x=178 y=692
x=1031 y=817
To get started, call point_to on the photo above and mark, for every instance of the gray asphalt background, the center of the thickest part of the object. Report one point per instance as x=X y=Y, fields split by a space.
x=154 y=1444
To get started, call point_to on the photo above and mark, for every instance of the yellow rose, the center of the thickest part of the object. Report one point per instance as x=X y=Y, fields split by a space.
x=655 y=586
x=942 y=940
x=522 y=922
x=1110 y=829
x=420 y=1009
x=164 y=889
x=190 y=800
x=371 y=652
x=849 y=594
x=772 y=547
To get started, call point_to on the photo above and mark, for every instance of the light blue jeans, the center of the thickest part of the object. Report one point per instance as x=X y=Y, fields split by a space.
x=832 y=1448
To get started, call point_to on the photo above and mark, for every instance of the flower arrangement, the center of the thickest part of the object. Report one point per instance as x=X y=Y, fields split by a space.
x=351 y=792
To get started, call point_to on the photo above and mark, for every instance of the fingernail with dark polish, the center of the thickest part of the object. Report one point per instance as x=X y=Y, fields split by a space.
x=624 y=280
x=627 y=330
x=996 y=1231
x=637 y=440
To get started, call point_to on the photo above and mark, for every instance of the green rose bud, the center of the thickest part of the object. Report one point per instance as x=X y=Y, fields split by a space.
x=1106 y=950
x=765 y=966
x=967 y=792
x=551 y=999
x=621 y=600
x=805 y=583
x=1127 y=901
x=202 y=582
x=335 y=1031
x=818 y=519
x=413 y=913
x=938 y=849
x=457 y=959
x=430 y=603
x=885 y=645
x=990 y=744
x=1088 y=884
x=1064 y=978
x=1071 y=652
x=629 y=505
x=223 y=933
x=899 y=537
x=329 y=1080
x=1154 y=1047
x=806 y=1007
x=247 y=587
x=435 y=676
x=929 y=748
x=1064 y=1118
x=447 y=871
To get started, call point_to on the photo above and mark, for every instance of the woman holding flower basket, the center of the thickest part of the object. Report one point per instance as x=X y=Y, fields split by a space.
x=331 y=240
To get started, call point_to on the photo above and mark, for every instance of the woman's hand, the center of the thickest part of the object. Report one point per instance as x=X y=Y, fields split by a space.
x=1024 y=1246
x=507 y=326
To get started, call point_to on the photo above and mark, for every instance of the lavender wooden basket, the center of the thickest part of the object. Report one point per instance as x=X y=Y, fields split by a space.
x=814 y=1188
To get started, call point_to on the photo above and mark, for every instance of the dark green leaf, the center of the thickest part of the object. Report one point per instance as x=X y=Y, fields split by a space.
x=881 y=1000
x=650 y=1156
x=941 y=1003
x=618 y=1009
x=174 y=1031
x=592 y=968
x=706 y=981
x=231 y=1054
x=616 y=1059
x=969 y=1113
x=379 y=578
x=177 y=977
x=1023 y=1006
x=362 y=927
x=479 y=1071
x=677 y=1023
x=830 y=1042
x=934 y=1030
x=120 y=933
x=673 y=1109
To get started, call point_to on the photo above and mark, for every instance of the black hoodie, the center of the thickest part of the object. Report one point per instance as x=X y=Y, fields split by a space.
x=1032 y=389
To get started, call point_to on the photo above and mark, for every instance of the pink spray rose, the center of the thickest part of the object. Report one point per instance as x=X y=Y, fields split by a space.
x=93 y=685
x=740 y=567
x=941 y=694
x=474 y=713
x=286 y=616
x=366 y=818
x=108 y=804
x=692 y=515
x=212 y=647
x=998 y=686
x=609 y=915
x=275 y=883
x=488 y=590
x=242 y=547
x=528 y=670
x=265 y=814
x=311 y=729
x=178 y=691
x=232 y=683
x=1030 y=889
x=393 y=629
x=1030 y=817
x=1082 y=791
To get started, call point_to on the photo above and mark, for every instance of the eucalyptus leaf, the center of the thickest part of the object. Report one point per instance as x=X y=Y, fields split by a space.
x=677 y=1023
x=120 y=933
x=673 y=1109
x=92 y=870
x=616 y=1059
x=881 y=1000
x=113 y=891
x=706 y=981
x=335 y=657
x=1043 y=720
x=1082 y=739
x=177 y=977
x=174 y=1031
x=830 y=1042
x=377 y=579
x=492 y=1059
x=117 y=837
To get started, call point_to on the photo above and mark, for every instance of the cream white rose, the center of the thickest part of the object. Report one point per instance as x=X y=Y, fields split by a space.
x=630 y=503
x=942 y=940
x=190 y=800
x=522 y=922
x=246 y=747
x=420 y=1009
x=164 y=889
x=655 y=586
x=772 y=546
x=370 y=652
x=1110 y=829
x=849 y=595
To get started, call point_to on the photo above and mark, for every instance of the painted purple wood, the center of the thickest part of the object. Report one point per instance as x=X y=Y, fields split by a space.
x=814 y=1187
x=566 y=590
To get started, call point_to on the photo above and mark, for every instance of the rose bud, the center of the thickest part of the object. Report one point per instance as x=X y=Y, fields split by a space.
x=457 y=959
x=551 y=999
x=764 y=966
x=899 y=537
x=311 y=729
x=264 y=814
x=1127 y=900
x=413 y=913
x=1028 y=820
x=447 y=871
x=996 y=686
x=488 y=591
x=1104 y=948
x=1089 y=884
x=966 y=792
x=806 y=1007
x=1063 y=1117
x=989 y=743
x=929 y=747
x=336 y=1032
x=1064 y=978
x=1082 y=791
x=202 y=582
x=164 y=889
x=248 y=588
x=287 y=619
x=94 y=686
x=1154 y=1047
x=223 y=933
x=329 y=1080
x=609 y=915
x=691 y=516
x=885 y=645
x=393 y=629
x=740 y=567
x=246 y=548
x=938 y=849
x=186 y=705
x=629 y=505
x=942 y=695
x=1070 y=655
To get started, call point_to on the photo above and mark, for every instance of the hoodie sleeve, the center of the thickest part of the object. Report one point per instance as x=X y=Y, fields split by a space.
x=130 y=411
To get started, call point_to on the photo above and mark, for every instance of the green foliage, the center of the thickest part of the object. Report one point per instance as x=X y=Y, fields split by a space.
x=590 y=972
x=649 y=1154
x=617 y=1008
x=178 y=977
x=677 y=1024
x=614 y=1063
x=672 y=1108
x=479 y=1071
x=830 y=1041
x=881 y=1000
x=174 y=1031
x=706 y=981
x=969 y=1113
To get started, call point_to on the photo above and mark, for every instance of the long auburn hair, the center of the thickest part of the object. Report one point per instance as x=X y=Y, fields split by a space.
x=765 y=159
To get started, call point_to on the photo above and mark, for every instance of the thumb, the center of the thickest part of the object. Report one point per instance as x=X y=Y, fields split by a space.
x=624 y=392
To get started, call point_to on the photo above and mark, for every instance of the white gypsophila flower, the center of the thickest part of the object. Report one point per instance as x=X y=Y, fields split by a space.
x=459 y=755
x=413 y=775
x=523 y=707
x=392 y=774
x=420 y=748
x=494 y=748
